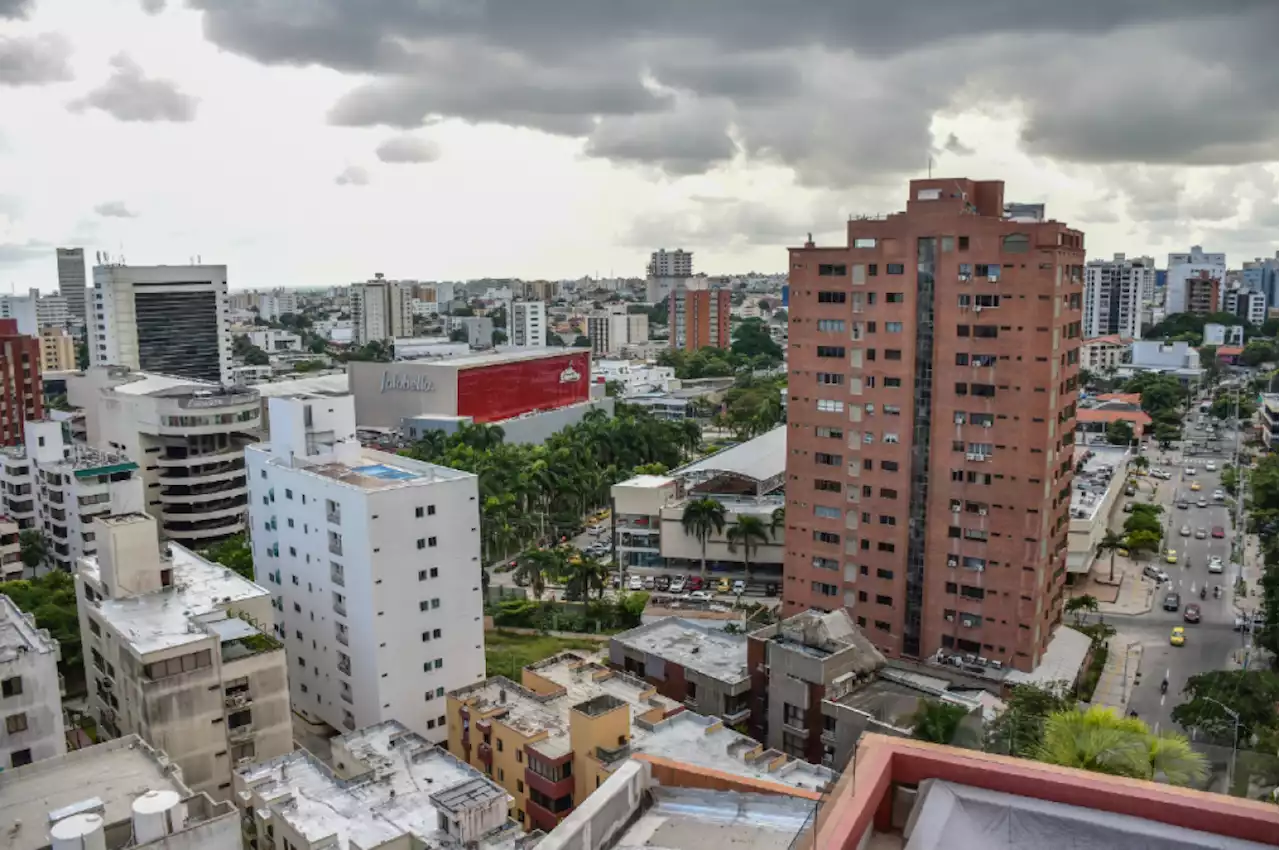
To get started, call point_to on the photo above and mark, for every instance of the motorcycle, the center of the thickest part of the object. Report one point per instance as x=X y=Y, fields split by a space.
x=1164 y=686
x=1217 y=591
x=1202 y=593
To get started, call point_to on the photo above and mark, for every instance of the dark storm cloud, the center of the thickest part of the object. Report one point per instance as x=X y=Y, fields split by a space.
x=408 y=149
x=130 y=95
x=841 y=91
x=15 y=8
x=34 y=60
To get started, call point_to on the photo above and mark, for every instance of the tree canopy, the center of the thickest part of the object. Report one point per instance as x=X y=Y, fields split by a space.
x=52 y=599
x=1250 y=693
x=235 y=553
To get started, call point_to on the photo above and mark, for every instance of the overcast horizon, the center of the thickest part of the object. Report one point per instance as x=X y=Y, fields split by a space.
x=456 y=140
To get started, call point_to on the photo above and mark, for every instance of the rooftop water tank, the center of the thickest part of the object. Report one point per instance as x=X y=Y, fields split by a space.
x=79 y=832
x=157 y=814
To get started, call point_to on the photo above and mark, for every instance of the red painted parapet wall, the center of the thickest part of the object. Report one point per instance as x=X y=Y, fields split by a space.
x=500 y=391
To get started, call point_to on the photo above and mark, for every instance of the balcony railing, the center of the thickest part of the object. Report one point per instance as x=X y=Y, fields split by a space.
x=240 y=732
x=741 y=715
x=336 y=576
x=795 y=725
x=344 y=666
x=340 y=608
x=239 y=700
x=335 y=545
x=334 y=517
x=342 y=637
x=829 y=737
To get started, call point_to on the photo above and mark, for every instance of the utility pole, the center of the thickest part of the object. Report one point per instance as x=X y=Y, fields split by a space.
x=1235 y=740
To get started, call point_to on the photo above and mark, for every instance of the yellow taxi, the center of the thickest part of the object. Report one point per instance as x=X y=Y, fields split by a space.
x=1195 y=485
x=1171 y=557
x=723 y=586
x=1122 y=551
x=1178 y=636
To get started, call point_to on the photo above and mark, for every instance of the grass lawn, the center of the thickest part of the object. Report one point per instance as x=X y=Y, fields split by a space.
x=506 y=653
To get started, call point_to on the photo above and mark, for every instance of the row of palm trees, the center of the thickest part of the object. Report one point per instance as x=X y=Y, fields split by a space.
x=541 y=492
x=706 y=516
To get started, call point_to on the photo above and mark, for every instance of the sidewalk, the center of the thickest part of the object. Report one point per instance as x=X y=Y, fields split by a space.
x=1135 y=594
x=1115 y=685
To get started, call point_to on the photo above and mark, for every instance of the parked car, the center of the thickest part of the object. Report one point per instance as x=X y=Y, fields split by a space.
x=1191 y=613
x=635 y=583
x=1156 y=573
x=1201 y=534
x=772 y=589
x=1131 y=490
x=1219 y=532
x=662 y=583
x=739 y=587
x=649 y=583
x=695 y=583
x=1162 y=474
x=1128 y=507
x=700 y=596
x=677 y=585
x=723 y=586
x=1172 y=601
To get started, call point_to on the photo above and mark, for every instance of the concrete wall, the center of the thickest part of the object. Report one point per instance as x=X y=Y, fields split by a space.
x=605 y=814
x=676 y=543
x=40 y=701
x=537 y=428
x=376 y=407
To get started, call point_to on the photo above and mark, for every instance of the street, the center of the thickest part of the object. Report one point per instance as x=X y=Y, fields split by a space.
x=1210 y=644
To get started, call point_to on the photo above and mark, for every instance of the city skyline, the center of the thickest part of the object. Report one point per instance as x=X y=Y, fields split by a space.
x=307 y=156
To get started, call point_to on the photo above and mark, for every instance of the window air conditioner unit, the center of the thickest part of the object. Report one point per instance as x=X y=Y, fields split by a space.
x=986 y=424
x=975 y=456
x=993 y=277
x=982 y=511
x=953 y=561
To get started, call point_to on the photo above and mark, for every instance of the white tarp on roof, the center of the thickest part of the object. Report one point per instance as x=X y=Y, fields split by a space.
x=949 y=816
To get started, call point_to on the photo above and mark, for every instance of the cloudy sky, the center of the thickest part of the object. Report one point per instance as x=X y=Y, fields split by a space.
x=309 y=142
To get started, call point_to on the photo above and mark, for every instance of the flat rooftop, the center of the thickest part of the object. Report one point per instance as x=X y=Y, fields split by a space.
x=697 y=819
x=495 y=358
x=19 y=636
x=695 y=646
x=1095 y=477
x=159 y=620
x=373 y=470
x=116 y=772
x=400 y=781
x=762 y=460
x=79 y=458
x=321 y=385
x=170 y=386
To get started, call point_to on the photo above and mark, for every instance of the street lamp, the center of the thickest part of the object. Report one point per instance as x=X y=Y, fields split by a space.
x=1235 y=739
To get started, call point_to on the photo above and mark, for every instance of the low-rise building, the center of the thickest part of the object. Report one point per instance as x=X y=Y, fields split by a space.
x=1180 y=360
x=388 y=787
x=57 y=349
x=1104 y=353
x=1268 y=421
x=30 y=691
x=58 y=487
x=116 y=795
x=274 y=341
x=1098 y=483
x=1096 y=413
x=572 y=722
x=175 y=653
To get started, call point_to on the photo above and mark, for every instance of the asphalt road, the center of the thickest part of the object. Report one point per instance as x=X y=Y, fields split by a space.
x=1210 y=643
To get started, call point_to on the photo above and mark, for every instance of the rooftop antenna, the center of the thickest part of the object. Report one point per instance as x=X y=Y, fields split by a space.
x=930 y=166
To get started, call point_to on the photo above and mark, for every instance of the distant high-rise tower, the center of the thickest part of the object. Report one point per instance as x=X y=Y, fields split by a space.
x=72 y=283
x=167 y=319
x=527 y=324
x=664 y=263
x=698 y=313
x=1184 y=267
x=381 y=309
x=1113 y=295
x=21 y=390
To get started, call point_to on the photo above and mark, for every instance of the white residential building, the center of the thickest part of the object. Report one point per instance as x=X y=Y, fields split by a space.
x=636 y=377
x=30 y=691
x=59 y=487
x=272 y=305
x=1185 y=266
x=174 y=653
x=22 y=308
x=527 y=324
x=72 y=281
x=52 y=311
x=375 y=562
x=1103 y=353
x=380 y=309
x=11 y=566
x=188 y=437
x=274 y=341
x=1113 y=295
x=118 y=795
x=168 y=319
x=1247 y=304
x=613 y=329
x=1216 y=334
x=664 y=263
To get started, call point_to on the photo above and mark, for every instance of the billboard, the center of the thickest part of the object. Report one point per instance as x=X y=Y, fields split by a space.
x=500 y=391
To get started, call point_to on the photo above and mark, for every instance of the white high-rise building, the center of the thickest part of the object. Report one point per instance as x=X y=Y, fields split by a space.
x=1185 y=266
x=173 y=320
x=24 y=309
x=30 y=691
x=381 y=309
x=1113 y=295
x=272 y=305
x=52 y=312
x=59 y=487
x=374 y=560
x=613 y=329
x=178 y=651
x=664 y=263
x=72 y=282
x=1247 y=304
x=527 y=323
x=189 y=437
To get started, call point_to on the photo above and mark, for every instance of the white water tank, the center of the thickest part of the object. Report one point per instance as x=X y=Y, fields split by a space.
x=157 y=814
x=79 y=832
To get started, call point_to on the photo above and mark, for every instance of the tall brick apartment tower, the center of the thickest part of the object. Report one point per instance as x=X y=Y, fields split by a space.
x=934 y=364
x=698 y=312
x=21 y=388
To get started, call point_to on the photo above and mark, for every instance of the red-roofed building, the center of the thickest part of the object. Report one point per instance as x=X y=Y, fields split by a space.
x=1229 y=354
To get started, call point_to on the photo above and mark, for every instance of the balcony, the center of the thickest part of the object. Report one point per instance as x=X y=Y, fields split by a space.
x=242 y=732
x=609 y=755
x=336 y=575
x=237 y=700
x=344 y=665
x=543 y=818
x=334 y=516
x=340 y=607
x=335 y=544
x=829 y=737
x=554 y=789
x=486 y=753
x=796 y=726
x=733 y=718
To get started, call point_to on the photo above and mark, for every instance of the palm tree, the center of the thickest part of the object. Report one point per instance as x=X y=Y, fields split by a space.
x=1110 y=542
x=1140 y=462
x=584 y=575
x=537 y=566
x=777 y=519
x=1078 y=604
x=749 y=532
x=937 y=722
x=1102 y=741
x=700 y=518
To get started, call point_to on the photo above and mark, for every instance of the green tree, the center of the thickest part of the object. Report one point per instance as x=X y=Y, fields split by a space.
x=1019 y=729
x=1140 y=462
x=583 y=575
x=700 y=519
x=256 y=357
x=1143 y=541
x=535 y=567
x=614 y=389
x=1081 y=605
x=499 y=337
x=937 y=722
x=751 y=339
x=1109 y=544
x=459 y=335
x=1250 y=693
x=1259 y=351
x=581 y=341
x=1100 y=740
x=33 y=547
x=234 y=553
x=1120 y=432
x=749 y=532
x=777 y=520
x=51 y=598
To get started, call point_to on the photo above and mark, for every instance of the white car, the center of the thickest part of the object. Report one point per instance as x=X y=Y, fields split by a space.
x=700 y=596
x=739 y=587
x=1163 y=475
x=1219 y=496
x=1185 y=531
x=1190 y=470
x=677 y=585
x=636 y=583
x=1201 y=534
x=1215 y=564
x=1211 y=466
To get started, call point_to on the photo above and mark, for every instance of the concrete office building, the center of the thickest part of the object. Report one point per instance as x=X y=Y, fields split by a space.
x=60 y=487
x=699 y=315
x=187 y=436
x=22 y=309
x=934 y=365
x=1263 y=276
x=118 y=795
x=1113 y=295
x=381 y=309
x=374 y=560
x=175 y=653
x=72 y=281
x=21 y=390
x=1249 y=305
x=167 y=319
x=276 y=303
x=1217 y=334
x=479 y=329
x=274 y=341
x=613 y=329
x=57 y=349
x=527 y=324
x=11 y=566
x=30 y=690
x=388 y=787
x=664 y=263
x=1183 y=267
x=571 y=723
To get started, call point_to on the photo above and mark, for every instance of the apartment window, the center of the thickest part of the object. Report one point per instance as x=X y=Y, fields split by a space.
x=885 y=574
x=288 y=494
x=825 y=563
x=422 y=542
x=825 y=512
x=435 y=603
x=893 y=327
x=887 y=493
x=983 y=390
x=826 y=459
x=16 y=723
x=1016 y=243
x=832 y=270
x=439 y=662
x=964 y=243
x=825 y=537
x=824 y=589
x=20 y=758
x=893 y=383
x=831 y=351
x=961 y=360
x=831 y=325
x=417 y=512
x=887 y=519
x=889 y=465
x=884 y=547
x=894 y=298
x=11 y=687
x=892 y=354
x=431 y=542
x=872 y=270
x=893 y=268
x=884 y=600
x=864 y=242
x=830 y=405
x=882 y=626
x=892 y=410
x=826 y=486
x=986 y=331
x=823 y=431
x=831 y=378
x=829 y=297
